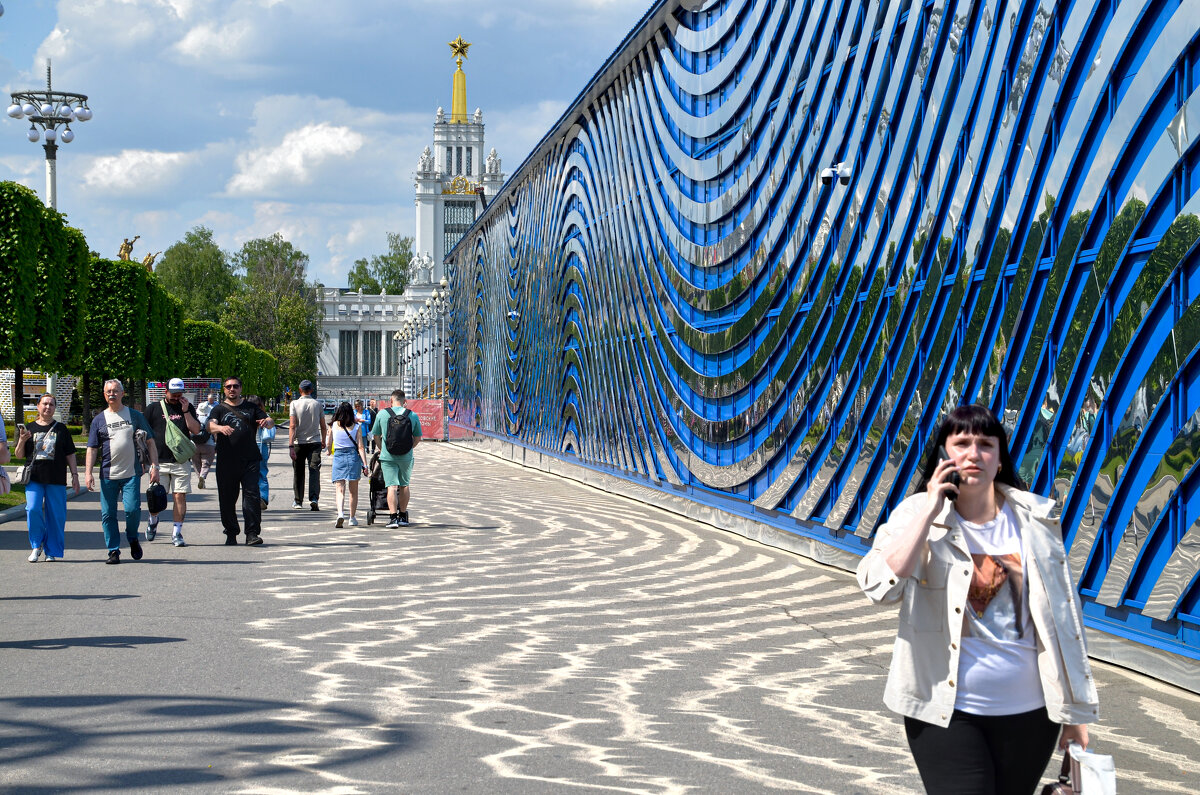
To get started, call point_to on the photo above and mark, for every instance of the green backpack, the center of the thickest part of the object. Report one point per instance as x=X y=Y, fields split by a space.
x=178 y=442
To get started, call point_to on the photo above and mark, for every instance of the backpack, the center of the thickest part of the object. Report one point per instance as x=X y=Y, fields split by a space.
x=399 y=436
x=177 y=441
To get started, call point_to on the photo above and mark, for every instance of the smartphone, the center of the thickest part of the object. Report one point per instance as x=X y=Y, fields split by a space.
x=954 y=480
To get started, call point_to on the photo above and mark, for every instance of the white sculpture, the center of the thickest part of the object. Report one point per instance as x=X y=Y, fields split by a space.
x=426 y=164
x=441 y=116
x=478 y=116
x=493 y=162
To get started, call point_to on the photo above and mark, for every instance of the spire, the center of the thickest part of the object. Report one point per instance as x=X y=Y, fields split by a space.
x=458 y=104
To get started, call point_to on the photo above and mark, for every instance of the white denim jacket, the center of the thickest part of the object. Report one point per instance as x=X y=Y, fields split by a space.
x=924 y=670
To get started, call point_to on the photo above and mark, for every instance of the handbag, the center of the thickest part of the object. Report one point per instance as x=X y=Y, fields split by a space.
x=1068 y=778
x=1084 y=773
x=25 y=471
x=177 y=441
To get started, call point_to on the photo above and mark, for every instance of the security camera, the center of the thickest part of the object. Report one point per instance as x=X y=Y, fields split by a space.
x=839 y=170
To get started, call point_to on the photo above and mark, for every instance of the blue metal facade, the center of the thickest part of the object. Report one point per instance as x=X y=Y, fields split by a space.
x=666 y=290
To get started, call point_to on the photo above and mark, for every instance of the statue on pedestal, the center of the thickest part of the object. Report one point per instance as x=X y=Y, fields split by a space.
x=148 y=261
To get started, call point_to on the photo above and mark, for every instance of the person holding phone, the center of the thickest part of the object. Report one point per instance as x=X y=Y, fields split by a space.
x=989 y=666
x=346 y=445
x=48 y=448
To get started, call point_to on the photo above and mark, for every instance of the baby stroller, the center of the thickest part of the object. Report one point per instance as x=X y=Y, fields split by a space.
x=377 y=504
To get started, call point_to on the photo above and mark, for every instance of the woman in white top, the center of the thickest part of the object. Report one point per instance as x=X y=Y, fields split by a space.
x=989 y=666
x=345 y=442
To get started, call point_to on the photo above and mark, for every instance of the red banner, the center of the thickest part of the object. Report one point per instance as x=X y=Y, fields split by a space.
x=430 y=412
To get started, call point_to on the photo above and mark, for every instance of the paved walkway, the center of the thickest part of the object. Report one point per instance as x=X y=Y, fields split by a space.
x=526 y=635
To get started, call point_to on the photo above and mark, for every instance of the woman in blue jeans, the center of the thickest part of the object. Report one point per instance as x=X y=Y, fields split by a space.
x=47 y=446
x=345 y=440
x=264 y=437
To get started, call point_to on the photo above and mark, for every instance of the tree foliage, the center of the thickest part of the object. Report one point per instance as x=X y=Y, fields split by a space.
x=360 y=278
x=275 y=308
x=199 y=274
x=117 y=320
x=65 y=312
x=384 y=273
x=20 y=239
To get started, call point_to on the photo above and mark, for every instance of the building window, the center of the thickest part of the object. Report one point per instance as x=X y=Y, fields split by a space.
x=458 y=217
x=449 y=159
x=458 y=162
x=469 y=151
x=347 y=353
x=372 y=357
x=393 y=359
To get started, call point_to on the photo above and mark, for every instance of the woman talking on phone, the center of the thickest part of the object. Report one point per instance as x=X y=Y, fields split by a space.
x=989 y=667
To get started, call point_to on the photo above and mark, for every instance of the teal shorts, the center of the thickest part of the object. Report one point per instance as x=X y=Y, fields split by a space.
x=397 y=472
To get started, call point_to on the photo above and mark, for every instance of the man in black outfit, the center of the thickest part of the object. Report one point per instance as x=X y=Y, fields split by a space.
x=234 y=423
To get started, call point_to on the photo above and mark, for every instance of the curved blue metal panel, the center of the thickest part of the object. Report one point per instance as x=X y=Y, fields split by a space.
x=666 y=289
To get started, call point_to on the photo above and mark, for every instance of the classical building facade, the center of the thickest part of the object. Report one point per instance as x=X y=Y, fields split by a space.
x=454 y=181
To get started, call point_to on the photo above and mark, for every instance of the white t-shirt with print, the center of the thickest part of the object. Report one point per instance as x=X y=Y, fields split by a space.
x=997 y=666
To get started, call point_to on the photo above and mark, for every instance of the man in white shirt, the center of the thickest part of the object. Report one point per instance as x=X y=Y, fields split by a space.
x=112 y=439
x=306 y=440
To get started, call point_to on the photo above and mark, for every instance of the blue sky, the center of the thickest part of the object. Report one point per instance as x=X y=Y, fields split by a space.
x=304 y=117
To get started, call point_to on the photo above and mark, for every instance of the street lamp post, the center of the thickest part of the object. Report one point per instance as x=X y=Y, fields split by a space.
x=46 y=111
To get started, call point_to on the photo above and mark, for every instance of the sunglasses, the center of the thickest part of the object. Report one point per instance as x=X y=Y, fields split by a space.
x=233 y=386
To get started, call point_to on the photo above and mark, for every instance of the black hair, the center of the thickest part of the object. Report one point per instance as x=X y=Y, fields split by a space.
x=398 y=394
x=976 y=420
x=344 y=415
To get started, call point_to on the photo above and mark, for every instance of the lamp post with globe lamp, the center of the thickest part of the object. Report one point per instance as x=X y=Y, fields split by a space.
x=46 y=111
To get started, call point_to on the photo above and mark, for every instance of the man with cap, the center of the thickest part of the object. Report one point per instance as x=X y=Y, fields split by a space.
x=306 y=439
x=175 y=475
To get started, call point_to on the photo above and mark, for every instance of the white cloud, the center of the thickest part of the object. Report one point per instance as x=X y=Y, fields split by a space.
x=206 y=42
x=294 y=160
x=137 y=171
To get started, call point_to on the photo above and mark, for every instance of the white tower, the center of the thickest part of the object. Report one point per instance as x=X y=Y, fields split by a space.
x=454 y=179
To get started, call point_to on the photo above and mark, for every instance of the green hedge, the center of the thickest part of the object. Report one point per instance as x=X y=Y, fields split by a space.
x=63 y=311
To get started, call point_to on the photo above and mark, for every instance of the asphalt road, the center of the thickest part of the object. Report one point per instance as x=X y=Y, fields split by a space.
x=526 y=635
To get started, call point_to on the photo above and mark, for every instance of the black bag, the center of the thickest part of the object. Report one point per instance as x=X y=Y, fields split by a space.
x=156 y=497
x=399 y=436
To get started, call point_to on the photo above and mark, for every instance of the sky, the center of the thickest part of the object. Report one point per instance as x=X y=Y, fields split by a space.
x=303 y=117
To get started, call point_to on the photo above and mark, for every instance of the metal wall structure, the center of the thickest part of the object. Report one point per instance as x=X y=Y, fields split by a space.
x=666 y=290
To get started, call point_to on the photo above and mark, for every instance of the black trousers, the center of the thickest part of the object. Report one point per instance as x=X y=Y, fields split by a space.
x=234 y=476
x=308 y=456
x=983 y=754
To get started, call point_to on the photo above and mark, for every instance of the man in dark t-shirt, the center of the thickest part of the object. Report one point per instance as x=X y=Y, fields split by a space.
x=233 y=424
x=175 y=475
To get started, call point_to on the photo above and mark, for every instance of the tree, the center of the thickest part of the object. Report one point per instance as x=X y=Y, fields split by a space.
x=360 y=278
x=21 y=230
x=275 y=308
x=385 y=273
x=197 y=272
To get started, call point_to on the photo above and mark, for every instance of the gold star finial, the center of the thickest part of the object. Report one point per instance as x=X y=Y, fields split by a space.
x=458 y=47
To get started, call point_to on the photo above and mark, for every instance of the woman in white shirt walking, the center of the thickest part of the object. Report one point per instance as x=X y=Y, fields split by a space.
x=345 y=441
x=989 y=666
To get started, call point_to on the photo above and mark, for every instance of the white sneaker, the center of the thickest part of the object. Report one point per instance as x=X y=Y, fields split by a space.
x=50 y=559
x=339 y=522
x=296 y=506
x=177 y=540
x=34 y=555
x=353 y=522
